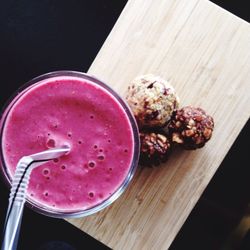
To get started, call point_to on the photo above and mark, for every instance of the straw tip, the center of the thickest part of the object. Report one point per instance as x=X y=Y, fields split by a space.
x=66 y=148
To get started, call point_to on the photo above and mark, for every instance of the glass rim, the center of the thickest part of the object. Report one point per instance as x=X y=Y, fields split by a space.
x=53 y=212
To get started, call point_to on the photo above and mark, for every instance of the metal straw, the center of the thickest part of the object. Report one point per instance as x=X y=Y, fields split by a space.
x=18 y=191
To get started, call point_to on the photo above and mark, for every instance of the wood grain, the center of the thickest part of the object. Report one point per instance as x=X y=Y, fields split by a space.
x=204 y=51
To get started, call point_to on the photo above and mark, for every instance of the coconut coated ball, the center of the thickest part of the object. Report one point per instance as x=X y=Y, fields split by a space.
x=152 y=100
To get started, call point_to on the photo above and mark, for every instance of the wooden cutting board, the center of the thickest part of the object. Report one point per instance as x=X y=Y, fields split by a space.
x=204 y=51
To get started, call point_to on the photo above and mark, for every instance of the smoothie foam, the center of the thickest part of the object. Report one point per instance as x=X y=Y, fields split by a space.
x=74 y=111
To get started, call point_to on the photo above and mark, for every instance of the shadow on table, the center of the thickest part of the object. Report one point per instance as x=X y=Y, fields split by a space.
x=39 y=232
x=221 y=218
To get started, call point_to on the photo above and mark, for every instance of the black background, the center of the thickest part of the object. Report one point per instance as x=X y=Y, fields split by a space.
x=37 y=37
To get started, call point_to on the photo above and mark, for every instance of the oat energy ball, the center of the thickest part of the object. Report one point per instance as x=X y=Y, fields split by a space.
x=191 y=127
x=155 y=148
x=152 y=100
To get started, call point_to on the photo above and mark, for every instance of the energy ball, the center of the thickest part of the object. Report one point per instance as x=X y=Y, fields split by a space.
x=155 y=148
x=191 y=127
x=152 y=100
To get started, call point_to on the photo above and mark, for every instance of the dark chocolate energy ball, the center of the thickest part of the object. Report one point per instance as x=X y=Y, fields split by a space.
x=191 y=127
x=155 y=148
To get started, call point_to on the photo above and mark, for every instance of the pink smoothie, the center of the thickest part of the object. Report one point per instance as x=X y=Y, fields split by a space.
x=70 y=110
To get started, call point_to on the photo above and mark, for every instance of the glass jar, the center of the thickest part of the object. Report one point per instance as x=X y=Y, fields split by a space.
x=70 y=213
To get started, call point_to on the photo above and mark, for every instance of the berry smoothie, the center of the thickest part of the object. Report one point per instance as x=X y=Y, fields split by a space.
x=75 y=111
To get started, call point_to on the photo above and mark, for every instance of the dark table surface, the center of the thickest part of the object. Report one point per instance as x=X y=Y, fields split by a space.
x=37 y=37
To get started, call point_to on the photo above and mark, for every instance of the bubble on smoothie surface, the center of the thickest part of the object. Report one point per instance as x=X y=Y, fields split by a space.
x=63 y=167
x=91 y=194
x=100 y=157
x=46 y=171
x=56 y=160
x=50 y=143
x=91 y=164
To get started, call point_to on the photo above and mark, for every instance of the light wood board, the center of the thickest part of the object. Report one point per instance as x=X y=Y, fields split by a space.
x=204 y=51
